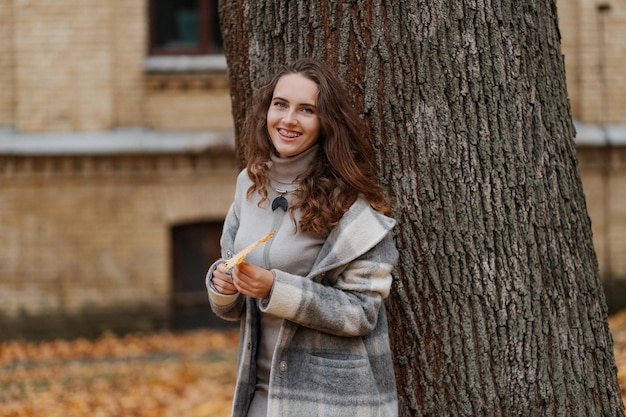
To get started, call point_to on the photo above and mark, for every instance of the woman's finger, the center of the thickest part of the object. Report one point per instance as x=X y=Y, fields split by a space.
x=222 y=282
x=252 y=280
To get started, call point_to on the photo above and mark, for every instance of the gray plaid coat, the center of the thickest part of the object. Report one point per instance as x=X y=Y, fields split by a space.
x=332 y=356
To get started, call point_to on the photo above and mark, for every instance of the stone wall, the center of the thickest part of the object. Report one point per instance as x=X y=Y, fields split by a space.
x=593 y=42
x=86 y=236
x=91 y=234
x=7 y=84
x=79 y=65
x=63 y=65
x=603 y=173
x=180 y=101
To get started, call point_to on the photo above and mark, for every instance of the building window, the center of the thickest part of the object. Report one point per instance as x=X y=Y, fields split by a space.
x=184 y=27
x=194 y=247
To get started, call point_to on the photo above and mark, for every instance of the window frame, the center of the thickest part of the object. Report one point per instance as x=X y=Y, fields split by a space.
x=207 y=10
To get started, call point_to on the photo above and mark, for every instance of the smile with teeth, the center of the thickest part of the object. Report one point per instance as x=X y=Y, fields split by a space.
x=289 y=133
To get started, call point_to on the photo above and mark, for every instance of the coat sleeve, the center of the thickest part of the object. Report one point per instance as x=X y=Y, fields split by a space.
x=227 y=307
x=345 y=301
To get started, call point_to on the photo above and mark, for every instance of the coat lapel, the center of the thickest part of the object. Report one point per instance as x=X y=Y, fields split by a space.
x=359 y=230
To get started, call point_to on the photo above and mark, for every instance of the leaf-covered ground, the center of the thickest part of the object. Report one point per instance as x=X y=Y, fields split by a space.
x=161 y=375
x=189 y=374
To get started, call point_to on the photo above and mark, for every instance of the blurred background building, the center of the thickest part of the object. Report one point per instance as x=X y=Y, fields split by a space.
x=116 y=164
x=117 y=160
x=594 y=44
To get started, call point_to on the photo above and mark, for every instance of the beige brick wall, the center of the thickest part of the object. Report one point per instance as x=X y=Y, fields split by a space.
x=78 y=65
x=63 y=64
x=178 y=101
x=92 y=232
x=594 y=45
x=6 y=63
x=129 y=37
x=615 y=36
x=189 y=110
x=603 y=172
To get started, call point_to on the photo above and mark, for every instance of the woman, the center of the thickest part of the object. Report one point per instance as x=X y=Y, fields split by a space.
x=314 y=338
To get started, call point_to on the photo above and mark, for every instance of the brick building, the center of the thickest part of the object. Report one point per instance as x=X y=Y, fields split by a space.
x=117 y=160
x=594 y=44
x=116 y=165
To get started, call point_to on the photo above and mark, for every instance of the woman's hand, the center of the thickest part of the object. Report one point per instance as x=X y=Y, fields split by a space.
x=252 y=280
x=222 y=281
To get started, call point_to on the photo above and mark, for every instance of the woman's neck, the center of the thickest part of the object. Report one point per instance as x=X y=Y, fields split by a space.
x=285 y=171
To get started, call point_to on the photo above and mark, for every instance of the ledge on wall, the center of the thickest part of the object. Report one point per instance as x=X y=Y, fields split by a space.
x=185 y=63
x=145 y=141
x=600 y=135
x=115 y=142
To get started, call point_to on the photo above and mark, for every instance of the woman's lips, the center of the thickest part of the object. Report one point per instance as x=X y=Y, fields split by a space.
x=289 y=134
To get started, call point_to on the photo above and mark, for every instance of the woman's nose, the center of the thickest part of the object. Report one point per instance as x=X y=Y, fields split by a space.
x=290 y=117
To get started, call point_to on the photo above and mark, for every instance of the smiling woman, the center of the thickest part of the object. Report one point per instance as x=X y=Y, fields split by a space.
x=327 y=268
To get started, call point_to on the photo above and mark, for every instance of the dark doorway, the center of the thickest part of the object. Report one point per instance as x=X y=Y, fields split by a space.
x=194 y=247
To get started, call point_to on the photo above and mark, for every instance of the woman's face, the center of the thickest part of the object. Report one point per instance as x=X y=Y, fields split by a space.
x=292 y=120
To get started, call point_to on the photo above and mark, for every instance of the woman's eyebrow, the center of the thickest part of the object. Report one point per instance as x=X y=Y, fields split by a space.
x=299 y=104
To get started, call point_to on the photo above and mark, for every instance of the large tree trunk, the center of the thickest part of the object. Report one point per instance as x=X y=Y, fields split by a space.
x=498 y=308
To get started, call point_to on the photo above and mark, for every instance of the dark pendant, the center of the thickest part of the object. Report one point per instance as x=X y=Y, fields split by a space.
x=281 y=202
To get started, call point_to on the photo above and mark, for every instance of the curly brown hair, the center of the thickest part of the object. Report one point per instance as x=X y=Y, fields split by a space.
x=344 y=166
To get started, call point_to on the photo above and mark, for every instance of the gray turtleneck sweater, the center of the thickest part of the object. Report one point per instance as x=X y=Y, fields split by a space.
x=289 y=250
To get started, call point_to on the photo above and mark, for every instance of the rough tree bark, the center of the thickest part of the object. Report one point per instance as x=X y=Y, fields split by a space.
x=498 y=308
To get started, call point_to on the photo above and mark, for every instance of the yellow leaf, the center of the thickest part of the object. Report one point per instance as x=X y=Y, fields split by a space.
x=241 y=255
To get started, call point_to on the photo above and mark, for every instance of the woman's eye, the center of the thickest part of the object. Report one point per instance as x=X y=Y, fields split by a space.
x=307 y=110
x=280 y=104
